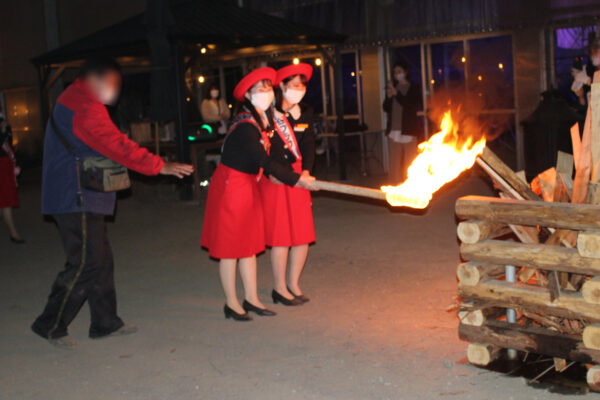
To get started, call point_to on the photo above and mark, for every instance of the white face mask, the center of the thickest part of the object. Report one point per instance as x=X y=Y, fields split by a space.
x=262 y=100
x=214 y=94
x=293 y=96
x=596 y=60
x=400 y=76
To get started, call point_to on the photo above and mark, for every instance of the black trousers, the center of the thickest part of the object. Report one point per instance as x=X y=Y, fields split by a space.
x=88 y=275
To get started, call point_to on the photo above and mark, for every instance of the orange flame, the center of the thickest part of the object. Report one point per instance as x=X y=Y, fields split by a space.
x=440 y=160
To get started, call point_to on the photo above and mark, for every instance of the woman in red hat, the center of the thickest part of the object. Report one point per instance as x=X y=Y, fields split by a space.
x=289 y=226
x=233 y=222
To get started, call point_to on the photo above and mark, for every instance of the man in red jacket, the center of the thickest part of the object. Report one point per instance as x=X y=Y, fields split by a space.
x=80 y=115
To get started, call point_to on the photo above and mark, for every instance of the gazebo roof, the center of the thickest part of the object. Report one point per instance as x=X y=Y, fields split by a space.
x=218 y=22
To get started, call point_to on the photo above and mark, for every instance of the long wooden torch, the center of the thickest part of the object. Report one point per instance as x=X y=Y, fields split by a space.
x=352 y=190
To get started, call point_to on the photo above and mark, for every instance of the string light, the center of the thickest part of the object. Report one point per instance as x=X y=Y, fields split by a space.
x=352 y=73
x=296 y=61
x=203 y=50
x=479 y=77
x=317 y=61
x=500 y=65
x=200 y=78
x=463 y=59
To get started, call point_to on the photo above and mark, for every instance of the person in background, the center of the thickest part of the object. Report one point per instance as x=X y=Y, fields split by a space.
x=233 y=229
x=8 y=181
x=402 y=98
x=289 y=225
x=80 y=115
x=214 y=109
x=583 y=75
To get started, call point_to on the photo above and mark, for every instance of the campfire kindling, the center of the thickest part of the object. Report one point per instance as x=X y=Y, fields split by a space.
x=540 y=294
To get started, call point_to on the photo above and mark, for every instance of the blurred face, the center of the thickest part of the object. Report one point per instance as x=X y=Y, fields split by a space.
x=293 y=90
x=261 y=95
x=399 y=73
x=106 y=87
x=595 y=56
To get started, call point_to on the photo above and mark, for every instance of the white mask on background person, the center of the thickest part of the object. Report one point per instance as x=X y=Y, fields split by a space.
x=293 y=96
x=596 y=60
x=400 y=76
x=262 y=100
x=214 y=94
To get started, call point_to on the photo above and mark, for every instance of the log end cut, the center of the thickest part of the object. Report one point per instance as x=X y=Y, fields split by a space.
x=482 y=354
x=591 y=336
x=588 y=244
x=591 y=290
x=593 y=378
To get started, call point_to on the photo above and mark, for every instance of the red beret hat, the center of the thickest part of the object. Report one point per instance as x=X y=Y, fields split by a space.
x=249 y=80
x=294 y=69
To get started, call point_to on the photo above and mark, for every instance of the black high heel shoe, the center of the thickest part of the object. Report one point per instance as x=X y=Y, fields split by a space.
x=263 y=312
x=278 y=298
x=302 y=297
x=229 y=313
x=16 y=241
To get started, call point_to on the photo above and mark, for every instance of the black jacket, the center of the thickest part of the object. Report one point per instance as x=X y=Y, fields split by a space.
x=410 y=104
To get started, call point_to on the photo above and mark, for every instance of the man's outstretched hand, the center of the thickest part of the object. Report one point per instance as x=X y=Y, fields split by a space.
x=177 y=169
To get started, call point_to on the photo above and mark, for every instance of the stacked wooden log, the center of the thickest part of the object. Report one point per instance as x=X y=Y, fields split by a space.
x=549 y=230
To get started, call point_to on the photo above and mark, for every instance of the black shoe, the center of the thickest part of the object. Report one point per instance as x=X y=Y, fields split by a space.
x=302 y=297
x=278 y=298
x=263 y=312
x=16 y=241
x=229 y=313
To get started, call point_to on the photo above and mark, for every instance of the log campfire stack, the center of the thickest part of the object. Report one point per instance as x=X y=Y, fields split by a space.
x=535 y=252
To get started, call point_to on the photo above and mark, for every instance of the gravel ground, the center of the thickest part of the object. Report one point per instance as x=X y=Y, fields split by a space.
x=380 y=281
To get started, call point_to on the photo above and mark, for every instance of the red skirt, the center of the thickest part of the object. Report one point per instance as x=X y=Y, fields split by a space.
x=8 y=184
x=288 y=213
x=233 y=220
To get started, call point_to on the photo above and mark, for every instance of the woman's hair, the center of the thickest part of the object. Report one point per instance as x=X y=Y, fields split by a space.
x=210 y=87
x=279 y=92
x=250 y=107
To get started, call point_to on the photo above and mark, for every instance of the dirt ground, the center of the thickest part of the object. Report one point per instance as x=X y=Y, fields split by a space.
x=377 y=326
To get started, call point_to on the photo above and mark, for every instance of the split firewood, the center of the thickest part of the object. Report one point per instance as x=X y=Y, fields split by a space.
x=595 y=125
x=583 y=159
x=576 y=141
x=469 y=315
x=564 y=163
x=545 y=321
x=544 y=184
x=560 y=364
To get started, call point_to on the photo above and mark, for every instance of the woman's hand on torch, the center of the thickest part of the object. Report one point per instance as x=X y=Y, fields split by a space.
x=306 y=181
x=176 y=169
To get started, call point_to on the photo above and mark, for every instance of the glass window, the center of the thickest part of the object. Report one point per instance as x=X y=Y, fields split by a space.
x=447 y=66
x=349 y=71
x=491 y=71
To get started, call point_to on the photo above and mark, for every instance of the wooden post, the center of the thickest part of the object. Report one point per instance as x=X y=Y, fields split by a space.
x=591 y=290
x=471 y=273
x=532 y=213
x=591 y=336
x=476 y=231
x=508 y=174
x=588 y=244
x=531 y=339
x=498 y=293
x=552 y=258
x=482 y=354
x=593 y=378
